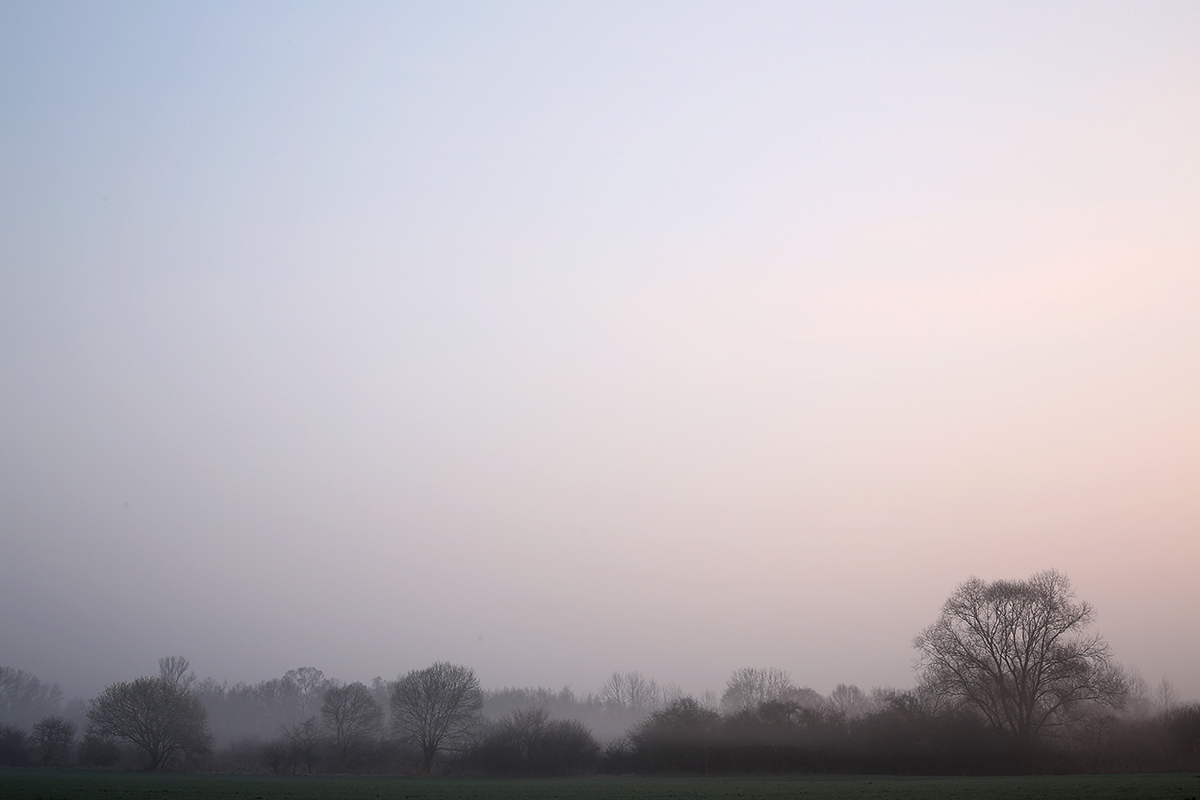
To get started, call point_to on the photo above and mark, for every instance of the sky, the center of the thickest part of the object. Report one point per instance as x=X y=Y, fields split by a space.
x=563 y=338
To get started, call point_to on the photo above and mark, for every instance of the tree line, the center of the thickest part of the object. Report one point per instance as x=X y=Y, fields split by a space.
x=1010 y=678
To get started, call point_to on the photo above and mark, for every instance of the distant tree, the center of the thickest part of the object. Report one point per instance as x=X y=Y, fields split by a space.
x=436 y=708
x=1137 y=695
x=1165 y=698
x=176 y=670
x=353 y=717
x=247 y=709
x=669 y=693
x=24 y=699
x=631 y=690
x=848 y=702
x=306 y=684
x=1018 y=652
x=303 y=740
x=381 y=690
x=750 y=687
x=52 y=739
x=154 y=715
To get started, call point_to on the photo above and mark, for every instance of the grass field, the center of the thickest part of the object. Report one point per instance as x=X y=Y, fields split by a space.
x=25 y=784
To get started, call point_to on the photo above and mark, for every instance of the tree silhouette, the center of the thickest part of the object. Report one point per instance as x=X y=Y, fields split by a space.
x=1019 y=654
x=354 y=718
x=157 y=716
x=436 y=708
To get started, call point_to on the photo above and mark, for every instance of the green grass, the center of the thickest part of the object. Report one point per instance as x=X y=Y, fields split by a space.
x=27 y=784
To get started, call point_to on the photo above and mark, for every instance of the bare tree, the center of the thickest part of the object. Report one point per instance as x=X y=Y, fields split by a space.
x=381 y=690
x=158 y=717
x=52 y=739
x=1019 y=653
x=670 y=693
x=848 y=702
x=1137 y=695
x=306 y=683
x=303 y=740
x=631 y=690
x=24 y=699
x=354 y=718
x=436 y=708
x=750 y=687
x=1165 y=699
x=176 y=670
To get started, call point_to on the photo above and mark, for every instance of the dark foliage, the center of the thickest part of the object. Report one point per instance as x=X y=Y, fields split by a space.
x=1182 y=727
x=51 y=740
x=14 y=747
x=681 y=737
x=901 y=736
x=529 y=743
x=96 y=751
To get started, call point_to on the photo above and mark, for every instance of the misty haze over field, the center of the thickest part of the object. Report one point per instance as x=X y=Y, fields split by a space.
x=563 y=339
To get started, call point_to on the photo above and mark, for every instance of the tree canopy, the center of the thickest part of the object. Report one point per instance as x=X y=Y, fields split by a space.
x=436 y=707
x=1020 y=654
x=156 y=715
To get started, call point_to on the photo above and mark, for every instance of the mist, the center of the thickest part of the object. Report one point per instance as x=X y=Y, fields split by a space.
x=561 y=341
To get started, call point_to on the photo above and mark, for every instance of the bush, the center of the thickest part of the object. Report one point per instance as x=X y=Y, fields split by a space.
x=52 y=739
x=530 y=743
x=96 y=751
x=1183 y=734
x=242 y=756
x=14 y=747
x=678 y=738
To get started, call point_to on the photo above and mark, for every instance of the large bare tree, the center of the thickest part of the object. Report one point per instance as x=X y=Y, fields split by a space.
x=162 y=719
x=353 y=716
x=1020 y=654
x=436 y=708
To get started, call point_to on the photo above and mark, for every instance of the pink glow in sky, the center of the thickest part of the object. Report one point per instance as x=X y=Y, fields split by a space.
x=563 y=339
